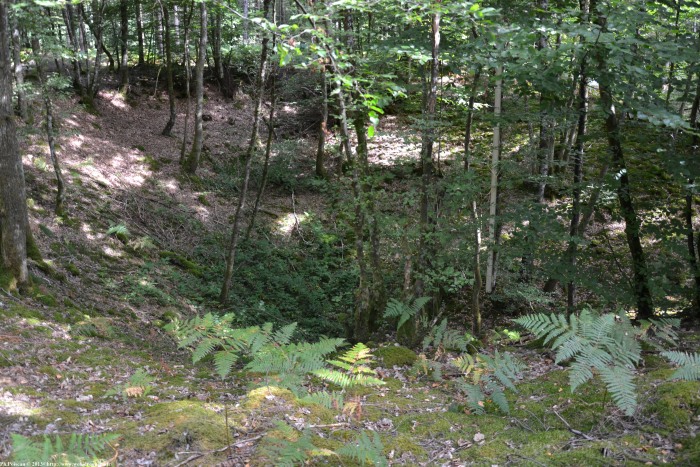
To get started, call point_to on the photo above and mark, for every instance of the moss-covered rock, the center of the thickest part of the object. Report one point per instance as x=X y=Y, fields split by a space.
x=393 y=355
x=182 y=262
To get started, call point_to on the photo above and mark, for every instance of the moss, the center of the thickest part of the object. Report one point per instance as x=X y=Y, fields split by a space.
x=676 y=403
x=203 y=200
x=45 y=298
x=266 y=394
x=73 y=269
x=182 y=262
x=395 y=356
x=94 y=327
x=176 y=425
x=22 y=311
x=7 y=280
x=403 y=443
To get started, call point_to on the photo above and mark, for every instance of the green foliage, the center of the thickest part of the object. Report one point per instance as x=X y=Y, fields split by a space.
x=289 y=449
x=139 y=385
x=81 y=449
x=689 y=365
x=365 y=450
x=395 y=355
x=441 y=338
x=606 y=344
x=264 y=350
x=355 y=369
x=404 y=311
x=487 y=378
x=119 y=231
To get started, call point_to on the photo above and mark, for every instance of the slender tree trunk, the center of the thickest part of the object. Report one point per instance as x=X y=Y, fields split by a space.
x=176 y=25
x=470 y=120
x=192 y=162
x=645 y=305
x=424 y=248
x=321 y=149
x=60 y=184
x=246 y=7
x=266 y=162
x=14 y=225
x=188 y=77
x=578 y=168
x=252 y=144
x=158 y=30
x=139 y=32
x=363 y=297
x=493 y=198
x=124 y=67
x=19 y=69
x=169 y=71
x=216 y=47
x=692 y=246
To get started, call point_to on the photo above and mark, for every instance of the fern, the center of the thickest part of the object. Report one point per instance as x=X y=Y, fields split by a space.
x=329 y=400
x=607 y=345
x=139 y=385
x=365 y=450
x=404 y=311
x=288 y=451
x=689 y=365
x=487 y=377
x=356 y=371
x=441 y=338
x=81 y=448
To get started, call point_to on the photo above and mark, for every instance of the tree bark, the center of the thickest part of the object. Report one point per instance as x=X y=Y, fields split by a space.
x=252 y=144
x=19 y=69
x=192 y=162
x=321 y=148
x=139 y=32
x=188 y=77
x=642 y=292
x=493 y=197
x=124 y=42
x=169 y=71
x=13 y=204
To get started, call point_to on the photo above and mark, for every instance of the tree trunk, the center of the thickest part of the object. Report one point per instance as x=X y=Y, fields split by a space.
x=425 y=244
x=645 y=305
x=321 y=148
x=470 y=120
x=169 y=71
x=124 y=42
x=578 y=168
x=192 y=162
x=266 y=162
x=216 y=47
x=252 y=144
x=139 y=32
x=493 y=197
x=692 y=248
x=188 y=77
x=13 y=204
x=19 y=69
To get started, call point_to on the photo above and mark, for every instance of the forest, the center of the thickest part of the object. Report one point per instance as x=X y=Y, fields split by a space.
x=349 y=232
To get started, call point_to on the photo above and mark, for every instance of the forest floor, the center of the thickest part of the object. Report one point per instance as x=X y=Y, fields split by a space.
x=69 y=353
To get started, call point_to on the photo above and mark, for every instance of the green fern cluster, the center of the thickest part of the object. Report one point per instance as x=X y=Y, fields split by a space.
x=487 y=378
x=80 y=450
x=605 y=344
x=139 y=385
x=689 y=365
x=263 y=349
x=354 y=369
x=404 y=311
x=290 y=449
x=442 y=338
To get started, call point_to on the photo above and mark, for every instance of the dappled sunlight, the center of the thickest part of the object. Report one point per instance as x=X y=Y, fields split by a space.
x=289 y=222
x=16 y=405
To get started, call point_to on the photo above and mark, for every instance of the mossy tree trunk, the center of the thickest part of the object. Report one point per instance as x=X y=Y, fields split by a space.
x=13 y=203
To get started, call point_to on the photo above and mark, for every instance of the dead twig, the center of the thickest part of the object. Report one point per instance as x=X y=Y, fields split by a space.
x=574 y=431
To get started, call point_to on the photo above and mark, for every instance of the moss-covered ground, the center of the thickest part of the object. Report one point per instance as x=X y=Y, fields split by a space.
x=57 y=374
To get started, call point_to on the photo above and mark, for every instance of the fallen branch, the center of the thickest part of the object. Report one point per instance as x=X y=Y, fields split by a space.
x=576 y=432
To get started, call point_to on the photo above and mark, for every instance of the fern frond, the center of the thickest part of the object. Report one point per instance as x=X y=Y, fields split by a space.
x=81 y=448
x=689 y=365
x=329 y=400
x=284 y=335
x=475 y=396
x=619 y=381
x=205 y=347
x=579 y=373
x=498 y=397
x=224 y=361
x=365 y=450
